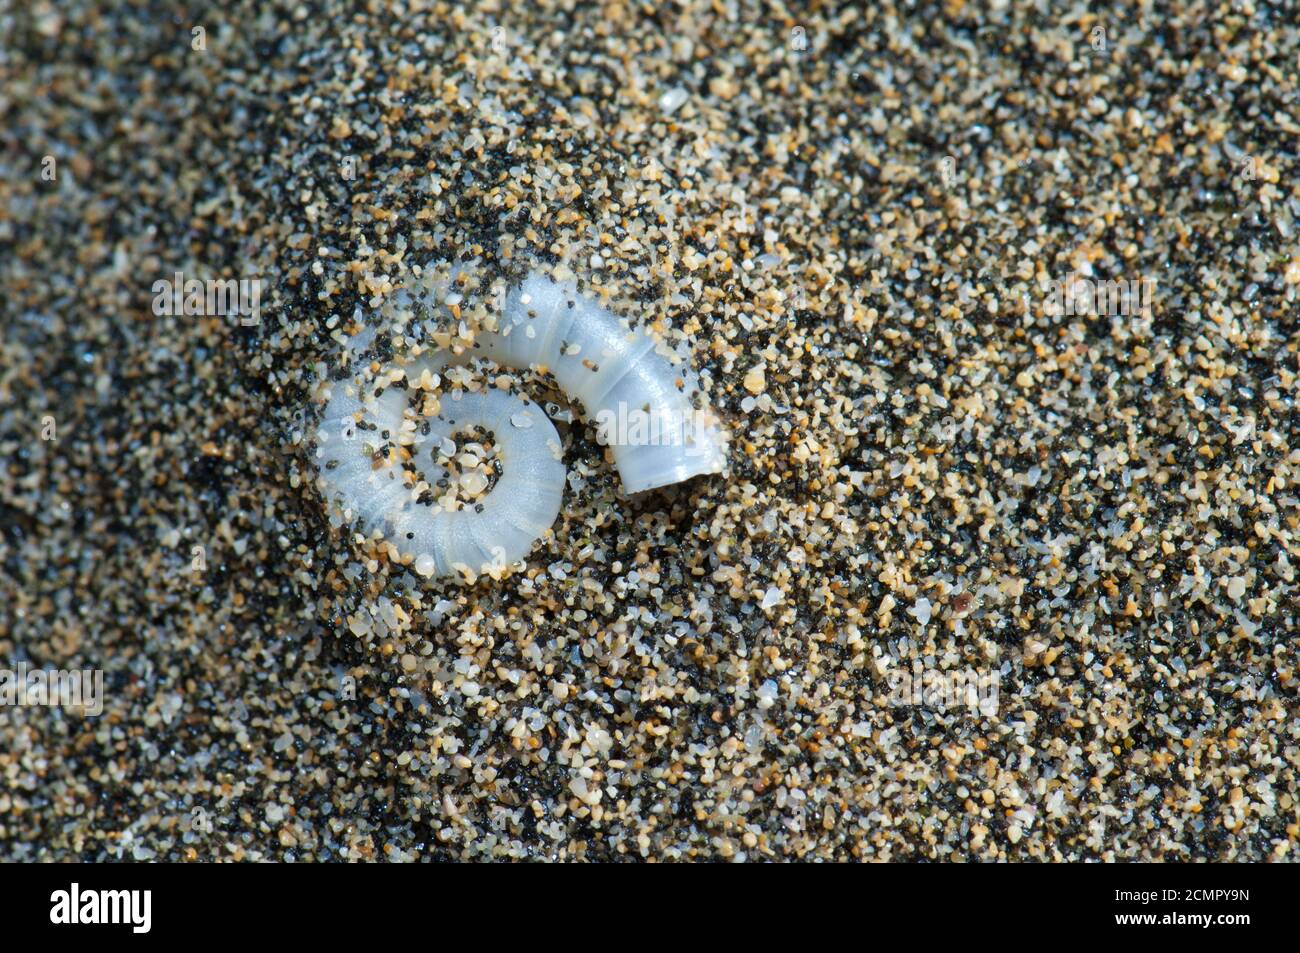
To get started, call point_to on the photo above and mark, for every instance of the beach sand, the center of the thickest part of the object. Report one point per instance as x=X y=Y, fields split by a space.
x=1005 y=562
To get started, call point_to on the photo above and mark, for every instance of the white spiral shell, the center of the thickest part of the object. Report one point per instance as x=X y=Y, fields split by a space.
x=639 y=400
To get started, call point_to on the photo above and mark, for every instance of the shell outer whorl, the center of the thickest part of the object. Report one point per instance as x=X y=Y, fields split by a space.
x=640 y=402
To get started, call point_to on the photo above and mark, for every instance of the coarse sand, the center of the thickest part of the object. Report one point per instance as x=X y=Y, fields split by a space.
x=1000 y=306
